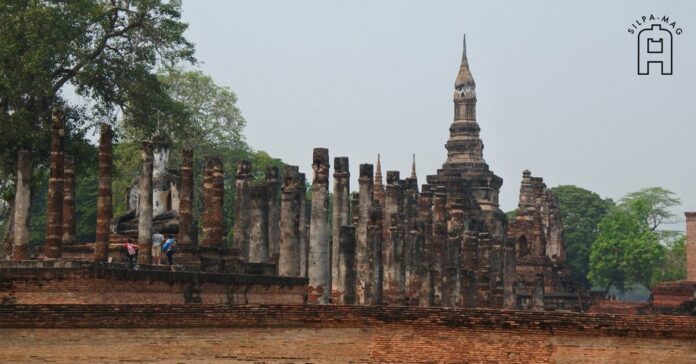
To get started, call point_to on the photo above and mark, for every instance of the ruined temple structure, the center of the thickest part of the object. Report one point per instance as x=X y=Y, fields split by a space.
x=537 y=234
x=166 y=184
x=468 y=245
x=443 y=244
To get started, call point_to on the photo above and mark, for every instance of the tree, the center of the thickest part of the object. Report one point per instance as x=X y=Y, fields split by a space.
x=630 y=248
x=100 y=47
x=581 y=211
x=655 y=204
x=674 y=266
x=103 y=48
x=212 y=122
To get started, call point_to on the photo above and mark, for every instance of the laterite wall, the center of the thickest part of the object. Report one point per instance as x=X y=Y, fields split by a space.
x=327 y=334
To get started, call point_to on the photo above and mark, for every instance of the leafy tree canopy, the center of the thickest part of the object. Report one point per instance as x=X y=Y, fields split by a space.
x=581 y=211
x=102 y=48
x=630 y=248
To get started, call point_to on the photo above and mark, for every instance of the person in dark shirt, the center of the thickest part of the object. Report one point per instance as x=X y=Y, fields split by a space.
x=169 y=248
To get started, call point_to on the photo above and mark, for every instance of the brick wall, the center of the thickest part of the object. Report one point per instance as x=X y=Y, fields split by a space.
x=690 y=246
x=302 y=333
x=91 y=285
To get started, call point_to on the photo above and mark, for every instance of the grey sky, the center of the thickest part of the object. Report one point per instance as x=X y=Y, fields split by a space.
x=556 y=82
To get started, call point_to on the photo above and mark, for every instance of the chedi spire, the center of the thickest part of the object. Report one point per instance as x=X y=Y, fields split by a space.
x=413 y=167
x=464 y=84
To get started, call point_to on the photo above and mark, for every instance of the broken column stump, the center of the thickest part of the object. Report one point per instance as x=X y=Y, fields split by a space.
x=20 y=245
x=213 y=196
x=319 y=271
x=345 y=293
x=104 y=202
x=69 y=200
x=258 y=224
x=185 y=236
x=145 y=206
x=292 y=193
x=340 y=216
x=363 y=248
x=273 y=197
x=241 y=208
x=54 y=202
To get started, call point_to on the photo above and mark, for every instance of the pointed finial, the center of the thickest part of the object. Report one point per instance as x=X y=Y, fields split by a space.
x=378 y=173
x=464 y=78
x=413 y=167
x=464 y=59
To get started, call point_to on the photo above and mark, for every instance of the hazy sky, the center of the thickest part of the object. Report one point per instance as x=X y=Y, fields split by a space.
x=557 y=88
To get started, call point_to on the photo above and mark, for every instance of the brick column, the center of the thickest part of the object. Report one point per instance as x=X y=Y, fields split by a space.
x=691 y=246
x=258 y=224
x=273 y=183
x=54 y=202
x=510 y=276
x=340 y=217
x=483 y=276
x=538 y=293
x=394 y=269
x=20 y=244
x=304 y=229
x=375 y=293
x=345 y=293
x=104 y=198
x=213 y=197
x=241 y=208
x=354 y=208
x=69 y=200
x=469 y=266
x=185 y=237
x=393 y=248
x=393 y=200
x=425 y=221
x=411 y=240
x=439 y=240
x=292 y=192
x=319 y=262
x=363 y=249
x=455 y=234
x=145 y=206
x=496 y=275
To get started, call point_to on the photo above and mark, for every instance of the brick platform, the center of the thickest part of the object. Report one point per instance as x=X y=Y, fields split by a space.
x=306 y=333
x=61 y=282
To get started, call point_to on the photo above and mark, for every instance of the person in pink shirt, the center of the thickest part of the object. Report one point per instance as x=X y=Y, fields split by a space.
x=131 y=252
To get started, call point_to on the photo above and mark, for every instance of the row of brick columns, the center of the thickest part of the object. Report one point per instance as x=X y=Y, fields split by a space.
x=419 y=249
x=61 y=201
x=412 y=249
x=60 y=209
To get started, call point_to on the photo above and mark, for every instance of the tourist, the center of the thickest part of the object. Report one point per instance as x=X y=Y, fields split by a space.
x=169 y=248
x=131 y=252
x=157 y=239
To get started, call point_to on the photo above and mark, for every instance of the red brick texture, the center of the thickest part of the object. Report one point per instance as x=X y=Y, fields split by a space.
x=690 y=246
x=309 y=333
x=114 y=286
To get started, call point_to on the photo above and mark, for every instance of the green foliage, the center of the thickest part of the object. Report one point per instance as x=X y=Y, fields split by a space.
x=630 y=249
x=103 y=48
x=674 y=266
x=37 y=211
x=213 y=125
x=86 y=206
x=212 y=110
x=107 y=50
x=653 y=204
x=581 y=211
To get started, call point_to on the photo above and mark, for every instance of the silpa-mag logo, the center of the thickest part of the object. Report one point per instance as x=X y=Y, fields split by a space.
x=655 y=43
